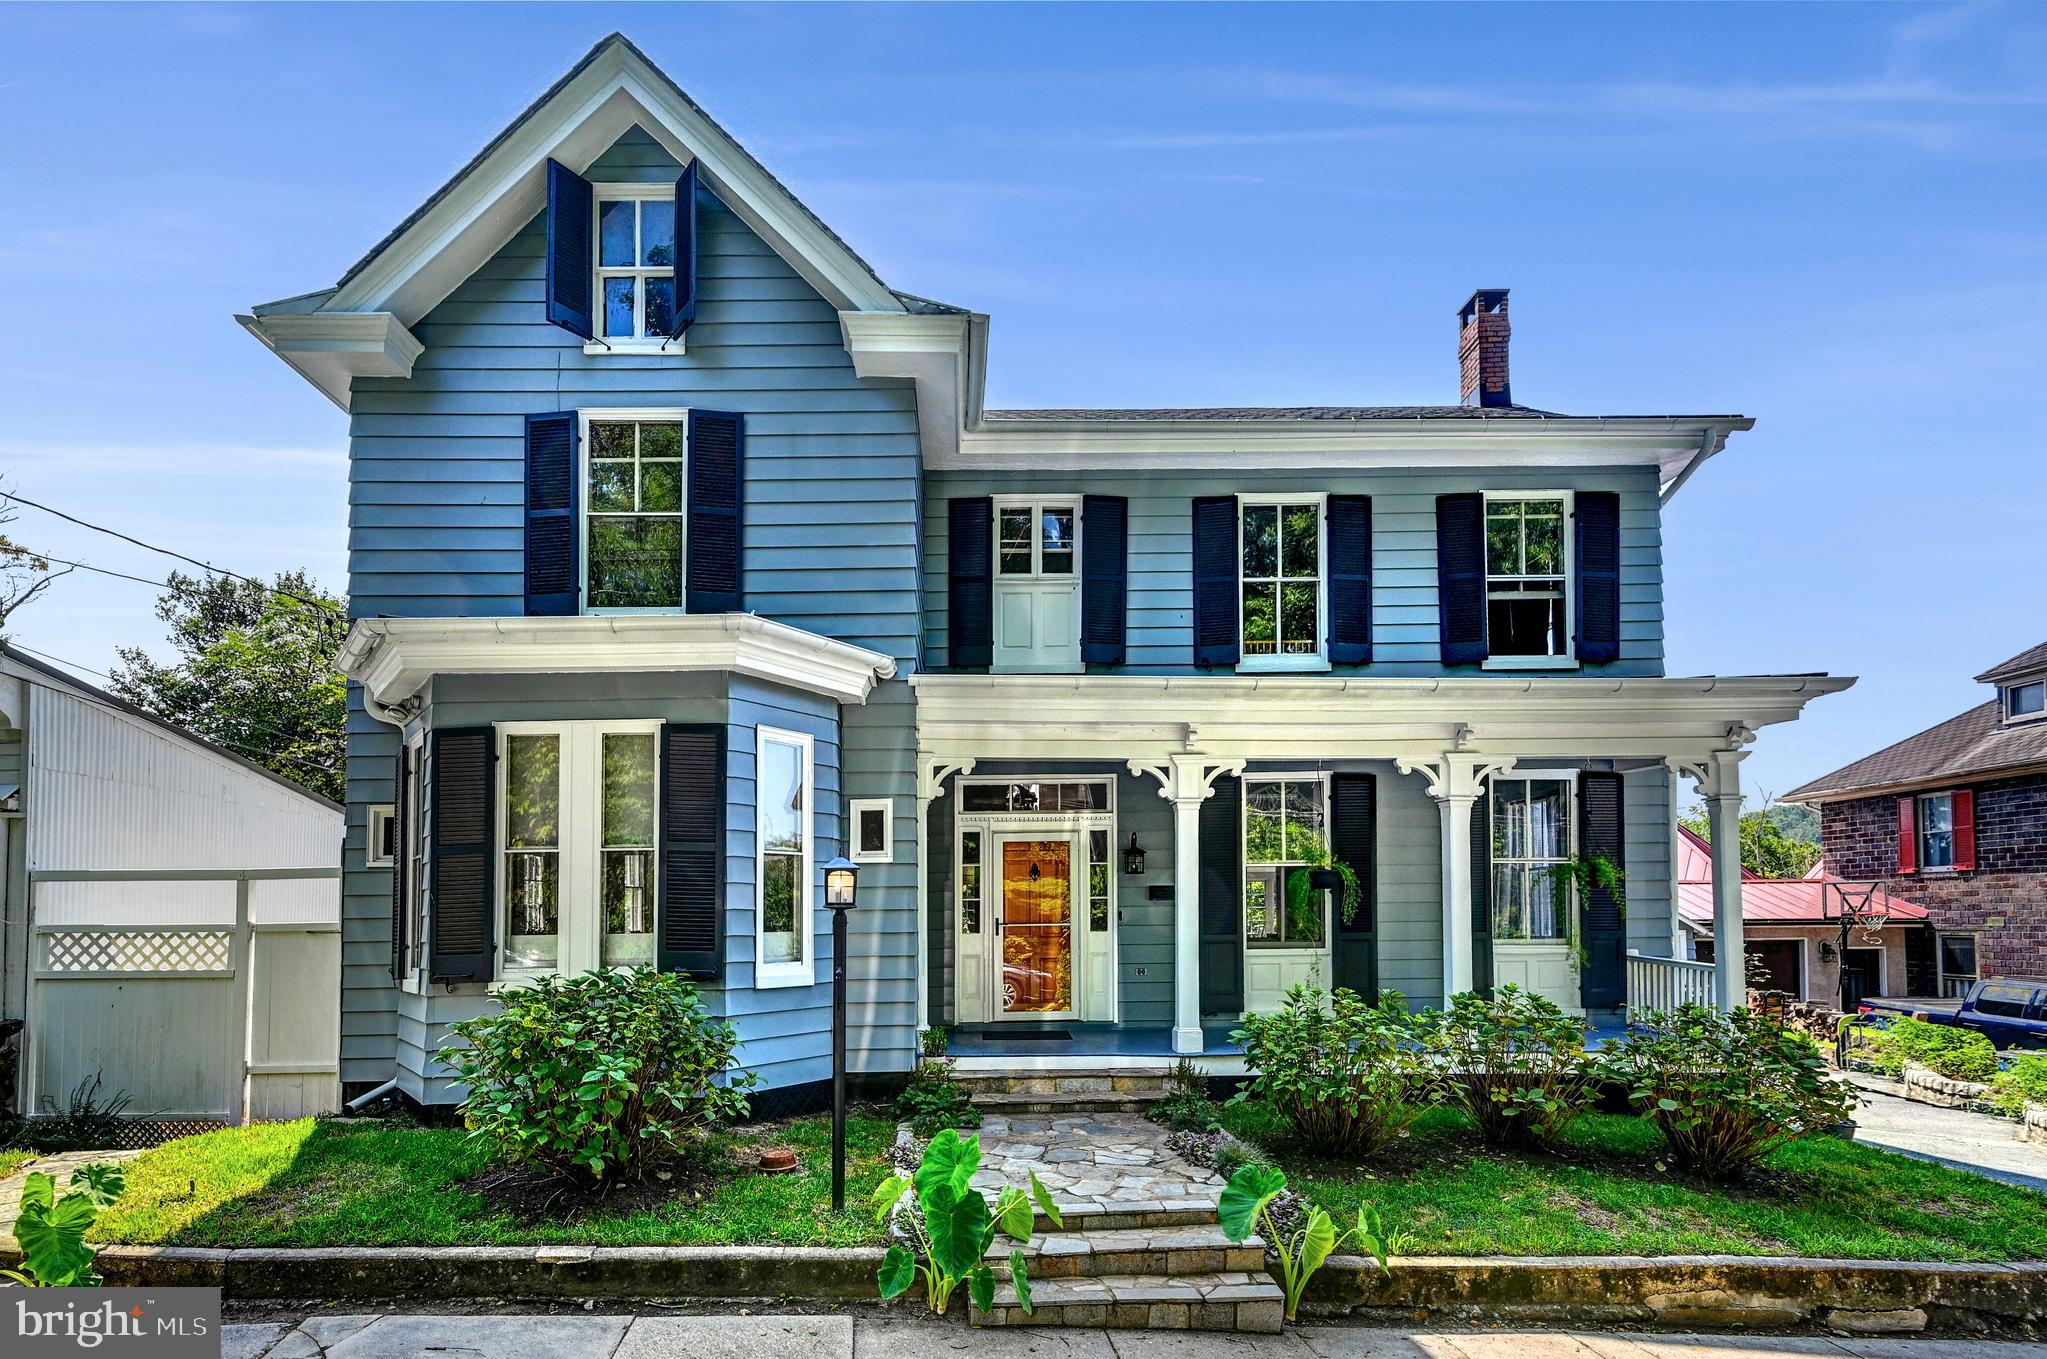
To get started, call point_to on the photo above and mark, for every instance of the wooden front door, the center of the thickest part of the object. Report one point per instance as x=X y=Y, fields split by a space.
x=1035 y=929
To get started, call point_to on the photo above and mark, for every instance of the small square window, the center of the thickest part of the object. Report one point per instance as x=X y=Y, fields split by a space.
x=872 y=830
x=380 y=844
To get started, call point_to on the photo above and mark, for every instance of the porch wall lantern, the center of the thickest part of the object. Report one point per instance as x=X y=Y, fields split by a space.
x=841 y=881
x=1133 y=857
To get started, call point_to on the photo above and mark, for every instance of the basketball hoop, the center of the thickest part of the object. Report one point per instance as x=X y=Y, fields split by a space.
x=1863 y=907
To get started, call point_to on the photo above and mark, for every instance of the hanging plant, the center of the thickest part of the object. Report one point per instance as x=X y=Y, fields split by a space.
x=1580 y=874
x=1319 y=866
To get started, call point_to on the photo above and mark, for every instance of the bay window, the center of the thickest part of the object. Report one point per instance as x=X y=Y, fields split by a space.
x=576 y=818
x=1528 y=576
x=1285 y=822
x=783 y=790
x=1281 y=544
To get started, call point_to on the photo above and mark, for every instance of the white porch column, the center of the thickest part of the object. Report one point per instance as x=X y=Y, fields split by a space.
x=1456 y=782
x=1187 y=781
x=1722 y=790
x=931 y=777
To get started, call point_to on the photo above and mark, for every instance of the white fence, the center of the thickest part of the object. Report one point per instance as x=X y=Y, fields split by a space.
x=1666 y=983
x=207 y=994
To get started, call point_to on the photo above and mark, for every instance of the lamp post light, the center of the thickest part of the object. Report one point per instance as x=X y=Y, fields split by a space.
x=841 y=881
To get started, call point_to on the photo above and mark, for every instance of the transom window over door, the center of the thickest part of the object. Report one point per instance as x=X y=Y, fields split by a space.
x=634 y=524
x=1281 y=543
x=1527 y=576
x=635 y=263
x=1284 y=828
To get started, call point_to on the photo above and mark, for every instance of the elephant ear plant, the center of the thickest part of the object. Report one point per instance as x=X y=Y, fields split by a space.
x=52 y=1230
x=1303 y=1244
x=952 y=1226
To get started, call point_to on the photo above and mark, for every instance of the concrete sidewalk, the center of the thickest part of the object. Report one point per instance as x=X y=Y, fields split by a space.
x=912 y=1337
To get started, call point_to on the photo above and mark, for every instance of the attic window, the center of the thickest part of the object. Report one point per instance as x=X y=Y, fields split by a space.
x=635 y=261
x=2025 y=702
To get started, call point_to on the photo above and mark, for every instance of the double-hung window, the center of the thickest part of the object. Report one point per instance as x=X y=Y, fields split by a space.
x=1284 y=602
x=635 y=261
x=634 y=521
x=1531 y=837
x=1285 y=821
x=1937 y=830
x=1528 y=593
x=576 y=818
x=784 y=791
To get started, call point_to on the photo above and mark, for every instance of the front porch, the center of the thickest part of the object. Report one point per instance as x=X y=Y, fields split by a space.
x=1239 y=789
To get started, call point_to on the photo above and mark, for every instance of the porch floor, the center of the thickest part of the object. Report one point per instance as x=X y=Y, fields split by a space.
x=1087 y=1040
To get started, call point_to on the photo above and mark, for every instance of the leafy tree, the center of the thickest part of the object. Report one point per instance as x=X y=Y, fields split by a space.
x=23 y=574
x=255 y=673
x=1766 y=850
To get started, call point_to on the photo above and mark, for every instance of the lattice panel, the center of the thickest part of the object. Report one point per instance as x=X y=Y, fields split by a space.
x=136 y=951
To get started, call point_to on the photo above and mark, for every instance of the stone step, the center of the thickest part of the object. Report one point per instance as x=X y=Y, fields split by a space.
x=1066 y=1102
x=1232 y=1300
x=1155 y=1215
x=1129 y=1251
x=1147 y=1081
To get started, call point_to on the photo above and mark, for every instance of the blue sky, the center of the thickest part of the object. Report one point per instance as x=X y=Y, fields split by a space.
x=1832 y=218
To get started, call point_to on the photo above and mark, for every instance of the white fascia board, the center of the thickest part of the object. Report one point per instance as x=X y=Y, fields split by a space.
x=936 y=352
x=460 y=232
x=330 y=350
x=393 y=658
x=1667 y=445
x=1327 y=716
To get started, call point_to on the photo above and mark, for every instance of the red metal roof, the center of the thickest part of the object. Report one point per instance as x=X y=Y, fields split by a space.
x=1774 y=901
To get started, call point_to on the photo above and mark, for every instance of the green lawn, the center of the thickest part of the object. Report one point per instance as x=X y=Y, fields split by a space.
x=11 y=1161
x=322 y=1184
x=1607 y=1196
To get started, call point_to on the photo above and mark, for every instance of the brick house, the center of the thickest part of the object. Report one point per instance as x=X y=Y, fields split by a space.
x=1958 y=812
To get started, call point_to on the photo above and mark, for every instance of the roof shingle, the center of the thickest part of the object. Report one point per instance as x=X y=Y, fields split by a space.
x=1970 y=745
x=2029 y=662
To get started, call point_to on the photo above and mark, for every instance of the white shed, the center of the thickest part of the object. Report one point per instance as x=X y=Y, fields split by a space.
x=171 y=912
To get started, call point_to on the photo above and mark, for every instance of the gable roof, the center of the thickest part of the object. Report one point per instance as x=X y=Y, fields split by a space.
x=1767 y=901
x=1968 y=746
x=2031 y=661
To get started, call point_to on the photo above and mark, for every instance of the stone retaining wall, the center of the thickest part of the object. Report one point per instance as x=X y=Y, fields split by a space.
x=1930 y=1087
x=1689 y=1292
x=2033 y=1125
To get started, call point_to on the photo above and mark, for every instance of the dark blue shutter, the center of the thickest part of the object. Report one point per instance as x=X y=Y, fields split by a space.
x=685 y=250
x=1597 y=531
x=1482 y=894
x=692 y=920
x=1350 y=580
x=571 y=272
x=464 y=896
x=1104 y=577
x=969 y=577
x=1354 y=839
x=551 y=578
x=1601 y=832
x=1460 y=577
x=400 y=805
x=1216 y=574
x=715 y=579
x=1222 y=899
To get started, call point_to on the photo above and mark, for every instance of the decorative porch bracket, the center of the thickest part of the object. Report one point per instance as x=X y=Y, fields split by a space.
x=1456 y=781
x=932 y=772
x=1718 y=774
x=1186 y=781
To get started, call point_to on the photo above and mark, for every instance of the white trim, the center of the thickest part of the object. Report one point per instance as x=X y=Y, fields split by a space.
x=331 y=350
x=639 y=342
x=414 y=980
x=803 y=970
x=394 y=658
x=651 y=415
x=1567 y=659
x=2004 y=693
x=859 y=807
x=376 y=822
x=1300 y=662
x=1036 y=504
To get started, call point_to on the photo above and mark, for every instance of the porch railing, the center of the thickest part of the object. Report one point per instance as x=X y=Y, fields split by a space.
x=1666 y=983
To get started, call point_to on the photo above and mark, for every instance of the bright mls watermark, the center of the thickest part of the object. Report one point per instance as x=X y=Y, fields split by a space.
x=123 y=1323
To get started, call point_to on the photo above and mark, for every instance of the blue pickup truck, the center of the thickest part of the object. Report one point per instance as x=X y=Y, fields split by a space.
x=2010 y=1011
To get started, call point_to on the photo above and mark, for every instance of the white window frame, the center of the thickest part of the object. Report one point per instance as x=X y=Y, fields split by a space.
x=376 y=828
x=1569 y=905
x=643 y=415
x=1303 y=662
x=414 y=848
x=1919 y=832
x=856 y=809
x=1037 y=505
x=2010 y=689
x=637 y=343
x=580 y=874
x=1244 y=866
x=1568 y=658
x=803 y=971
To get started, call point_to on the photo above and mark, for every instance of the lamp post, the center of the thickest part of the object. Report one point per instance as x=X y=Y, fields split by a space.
x=841 y=877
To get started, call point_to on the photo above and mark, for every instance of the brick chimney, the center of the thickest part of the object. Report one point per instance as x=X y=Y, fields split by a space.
x=1482 y=335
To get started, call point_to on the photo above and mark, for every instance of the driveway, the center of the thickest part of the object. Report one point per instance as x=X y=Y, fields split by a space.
x=1954 y=1137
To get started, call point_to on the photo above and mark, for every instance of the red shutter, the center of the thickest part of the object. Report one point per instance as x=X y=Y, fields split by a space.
x=1965 y=831
x=1908 y=835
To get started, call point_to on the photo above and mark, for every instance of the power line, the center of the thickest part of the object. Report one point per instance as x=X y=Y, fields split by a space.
x=323 y=616
x=165 y=551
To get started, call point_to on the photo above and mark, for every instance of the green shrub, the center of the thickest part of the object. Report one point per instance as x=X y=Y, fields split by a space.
x=601 y=1076
x=934 y=1101
x=1726 y=1090
x=1956 y=1053
x=1515 y=1064
x=1348 y=1078
x=2023 y=1082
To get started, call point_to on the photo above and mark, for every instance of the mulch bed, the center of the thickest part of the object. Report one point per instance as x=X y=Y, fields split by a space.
x=533 y=1195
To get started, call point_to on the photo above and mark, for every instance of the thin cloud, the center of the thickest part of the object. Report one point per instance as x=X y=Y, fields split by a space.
x=174 y=459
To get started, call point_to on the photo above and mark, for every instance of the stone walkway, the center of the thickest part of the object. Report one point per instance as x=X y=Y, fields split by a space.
x=583 y=1336
x=1095 y=1163
x=59 y=1168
